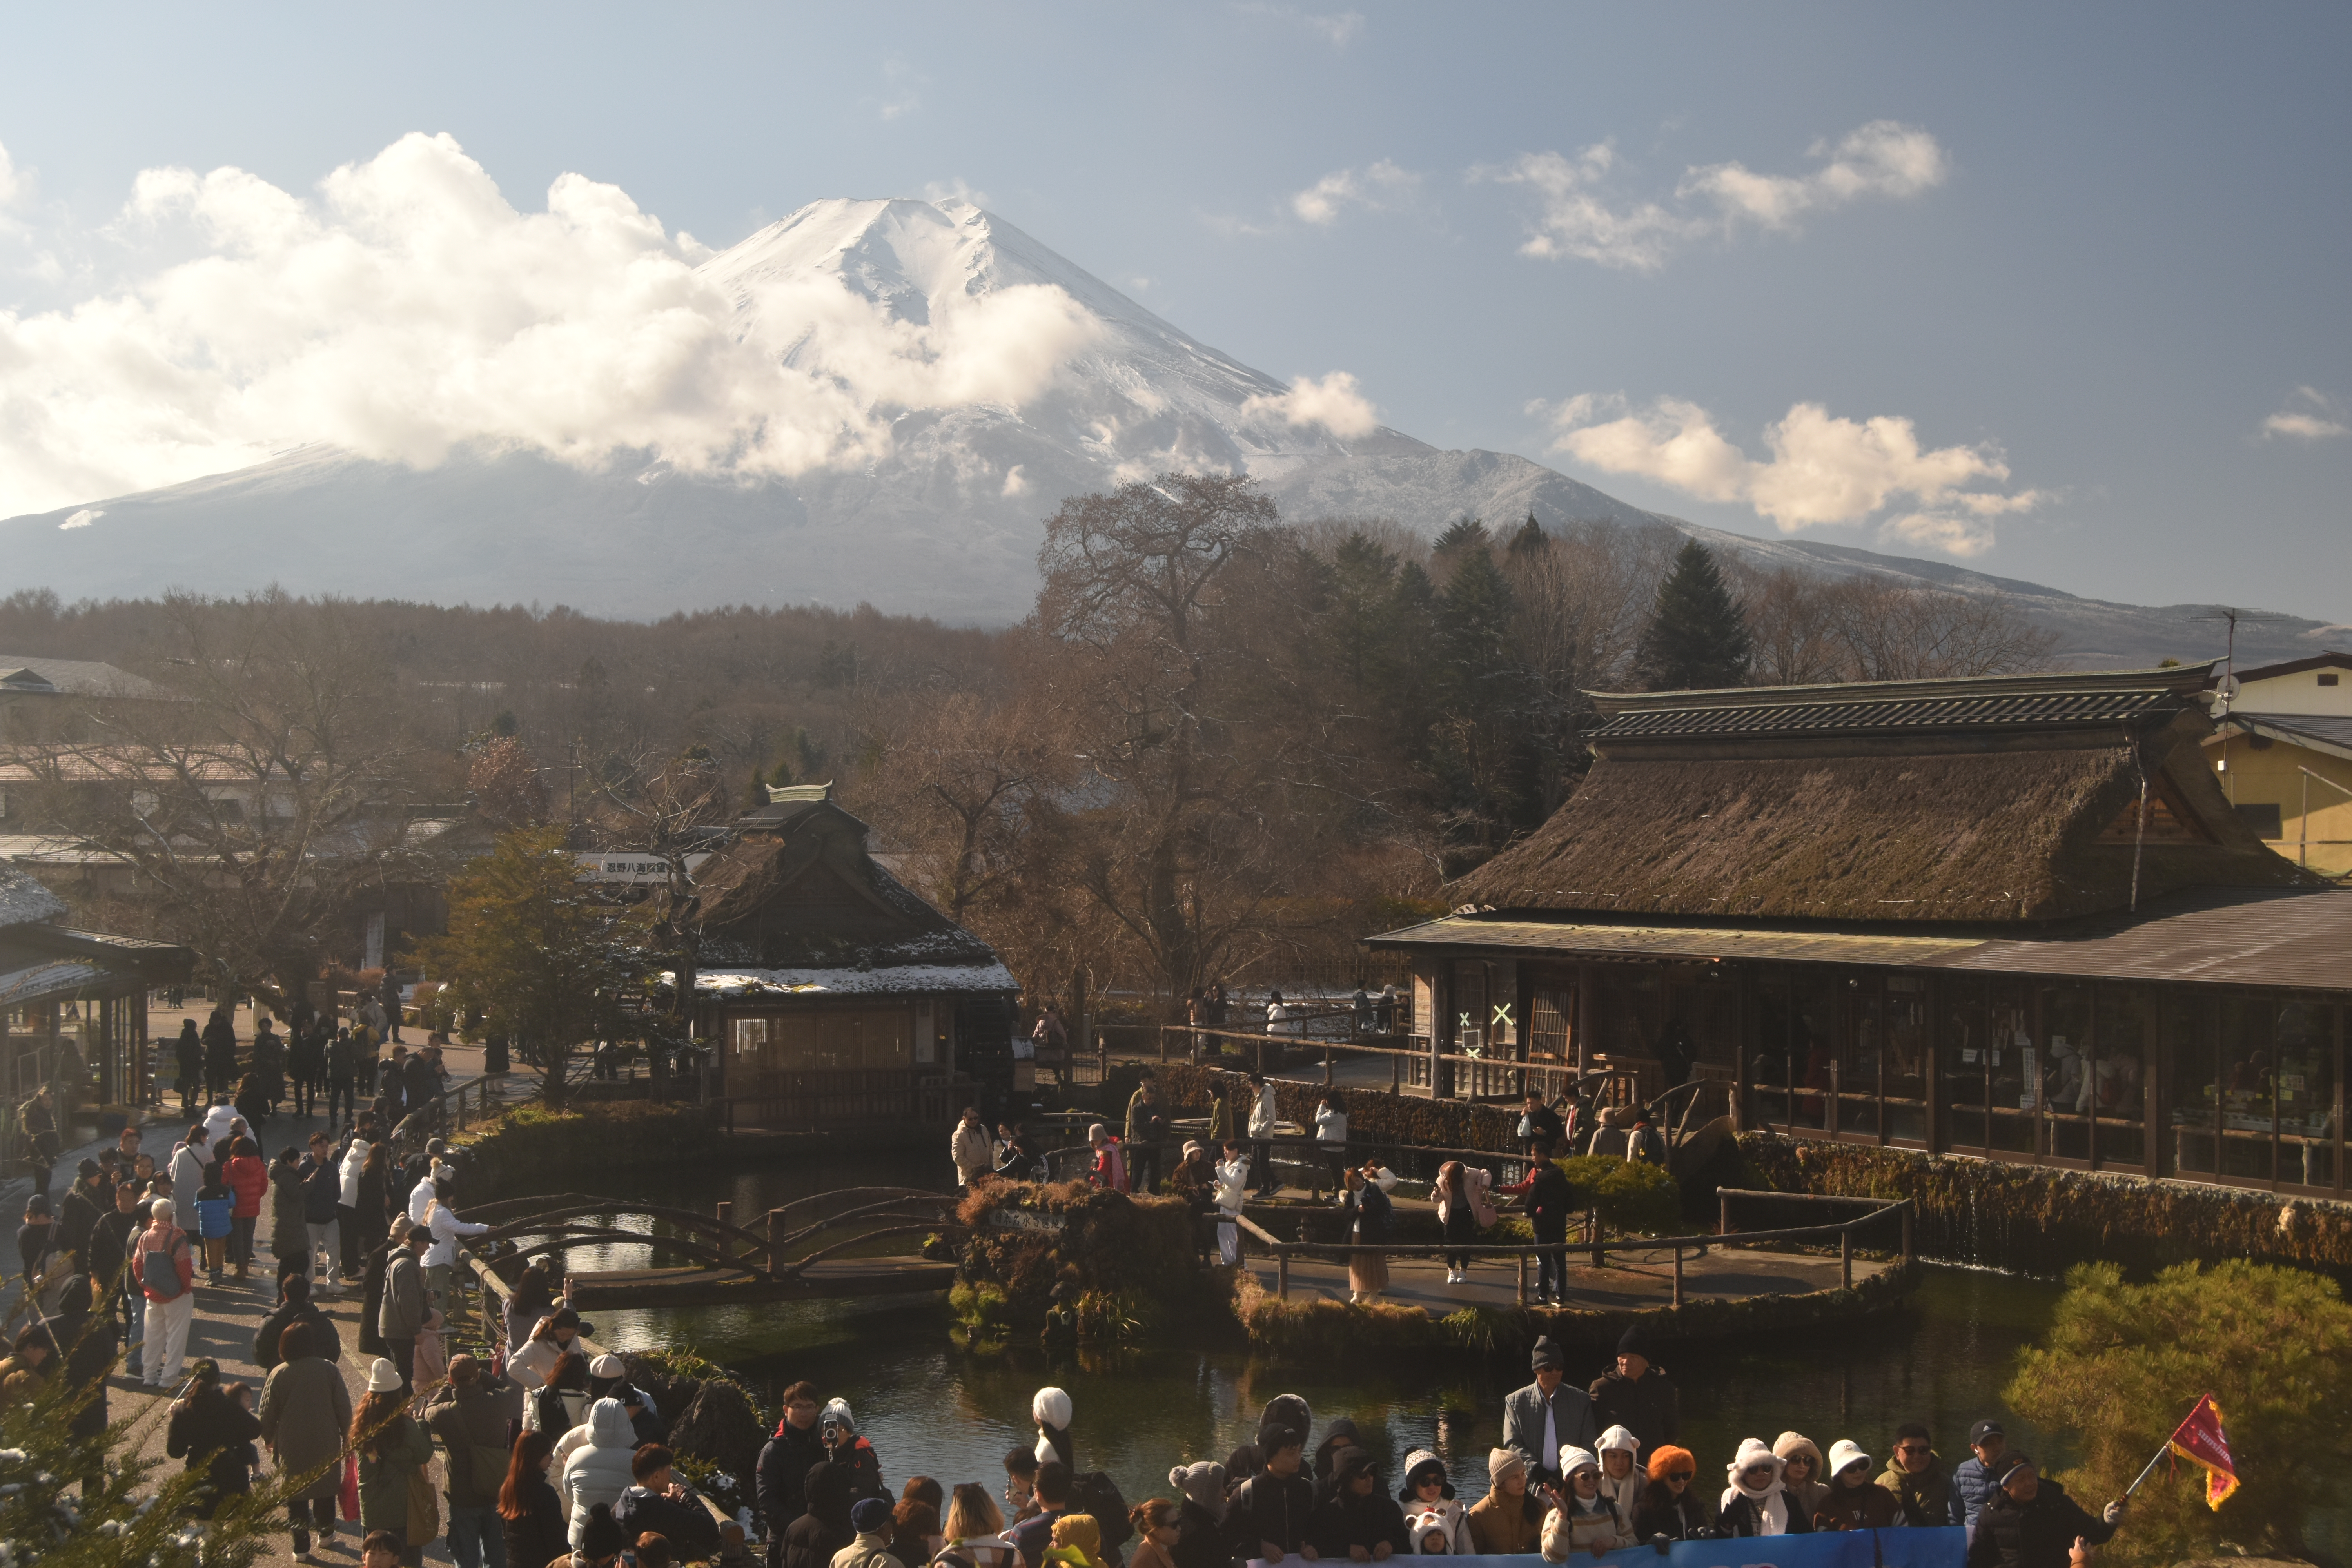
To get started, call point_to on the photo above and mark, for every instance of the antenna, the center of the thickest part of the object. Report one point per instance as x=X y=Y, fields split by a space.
x=2229 y=687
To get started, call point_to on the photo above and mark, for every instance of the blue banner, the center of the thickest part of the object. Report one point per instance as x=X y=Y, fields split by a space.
x=1945 y=1546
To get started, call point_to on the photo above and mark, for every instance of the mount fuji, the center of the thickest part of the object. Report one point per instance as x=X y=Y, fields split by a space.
x=945 y=520
x=973 y=379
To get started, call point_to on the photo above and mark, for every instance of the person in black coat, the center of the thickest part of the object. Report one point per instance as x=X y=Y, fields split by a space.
x=214 y=1434
x=781 y=1478
x=306 y=1062
x=1273 y=1513
x=2028 y=1522
x=1358 y=1520
x=531 y=1516
x=1637 y=1397
x=85 y=1340
x=1551 y=1204
x=295 y=1306
x=220 y=1056
x=189 y=1053
x=811 y=1541
x=85 y=1203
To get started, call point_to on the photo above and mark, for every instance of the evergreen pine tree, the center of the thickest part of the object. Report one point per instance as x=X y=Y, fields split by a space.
x=759 y=791
x=1463 y=535
x=1530 y=538
x=1697 y=636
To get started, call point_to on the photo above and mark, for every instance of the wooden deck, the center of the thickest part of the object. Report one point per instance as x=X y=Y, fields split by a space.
x=1633 y=1280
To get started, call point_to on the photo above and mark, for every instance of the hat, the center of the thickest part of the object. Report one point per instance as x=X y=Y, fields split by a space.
x=1421 y=1524
x=40 y=1205
x=1982 y=1430
x=1617 y=1437
x=383 y=1377
x=1547 y=1353
x=1753 y=1452
x=1667 y=1458
x=601 y=1536
x=1192 y=1147
x=1501 y=1462
x=608 y=1365
x=87 y=1169
x=1845 y=1452
x=1632 y=1341
x=837 y=1413
x=401 y=1226
x=1574 y=1459
x=1050 y=1407
x=1204 y=1483
x=1789 y=1445
x=871 y=1514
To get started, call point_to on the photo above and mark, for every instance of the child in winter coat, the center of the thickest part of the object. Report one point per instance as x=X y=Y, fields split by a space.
x=215 y=1213
x=1585 y=1521
x=1428 y=1494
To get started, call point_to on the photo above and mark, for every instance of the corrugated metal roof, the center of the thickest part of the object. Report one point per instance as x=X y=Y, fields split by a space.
x=2322 y=731
x=2300 y=938
x=2232 y=937
x=2007 y=710
x=1474 y=932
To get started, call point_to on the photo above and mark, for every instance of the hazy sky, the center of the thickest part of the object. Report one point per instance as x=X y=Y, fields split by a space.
x=2058 y=290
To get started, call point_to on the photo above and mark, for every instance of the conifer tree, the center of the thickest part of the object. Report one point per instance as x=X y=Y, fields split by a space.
x=1530 y=537
x=1697 y=636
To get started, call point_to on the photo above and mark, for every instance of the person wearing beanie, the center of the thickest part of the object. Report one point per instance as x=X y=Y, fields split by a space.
x=608 y=1378
x=1587 y=1518
x=2031 y=1522
x=1637 y=1395
x=1427 y=1492
x=1356 y=1519
x=1622 y=1480
x=1273 y=1514
x=1670 y=1506
x=1916 y=1476
x=1050 y=1409
x=870 y=1518
x=1801 y=1469
x=1199 y=1516
x=1854 y=1501
x=1508 y=1521
x=394 y=1449
x=1547 y=1416
x=1755 y=1503
x=853 y=1453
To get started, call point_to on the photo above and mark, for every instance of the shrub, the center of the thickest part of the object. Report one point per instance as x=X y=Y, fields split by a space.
x=1633 y=1197
x=2123 y=1364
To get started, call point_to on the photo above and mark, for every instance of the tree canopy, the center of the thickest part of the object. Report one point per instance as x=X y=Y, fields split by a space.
x=1697 y=636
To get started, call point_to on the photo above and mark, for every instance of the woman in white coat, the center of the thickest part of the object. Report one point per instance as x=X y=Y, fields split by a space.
x=599 y=1472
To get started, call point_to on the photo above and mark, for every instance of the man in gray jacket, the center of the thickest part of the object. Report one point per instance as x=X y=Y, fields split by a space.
x=401 y=1316
x=1547 y=1416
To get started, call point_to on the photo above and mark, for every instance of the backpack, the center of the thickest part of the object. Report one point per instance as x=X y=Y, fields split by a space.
x=158 y=1272
x=1096 y=1494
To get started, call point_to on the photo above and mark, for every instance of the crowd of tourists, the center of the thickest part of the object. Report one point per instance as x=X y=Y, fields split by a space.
x=1578 y=1471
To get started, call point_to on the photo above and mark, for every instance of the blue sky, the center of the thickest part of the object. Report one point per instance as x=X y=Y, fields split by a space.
x=2096 y=256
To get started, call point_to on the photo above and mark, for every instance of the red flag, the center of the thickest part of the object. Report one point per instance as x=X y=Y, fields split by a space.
x=2200 y=1440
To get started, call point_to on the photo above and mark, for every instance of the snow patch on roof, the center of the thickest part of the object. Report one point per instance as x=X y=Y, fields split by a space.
x=899 y=980
x=23 y=901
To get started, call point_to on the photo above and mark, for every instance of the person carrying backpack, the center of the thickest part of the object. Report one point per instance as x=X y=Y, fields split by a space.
x=166 y=1272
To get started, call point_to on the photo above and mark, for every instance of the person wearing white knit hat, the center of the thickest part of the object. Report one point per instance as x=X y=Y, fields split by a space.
x=1756 y=1503
x=1855 y=1501
x=1050 y=1409
x=1587 y=1520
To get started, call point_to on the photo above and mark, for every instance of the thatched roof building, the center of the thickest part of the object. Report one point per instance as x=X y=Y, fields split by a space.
x=2014 y=918
x=2004 y=799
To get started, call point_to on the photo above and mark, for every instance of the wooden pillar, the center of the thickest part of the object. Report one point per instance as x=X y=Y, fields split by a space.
x=1523 y=1278
x=1908 y=1211
x=776 y=1233
x=1845 y=1256
x=1584 y=1042
x=1282 y=1274
x=1678 y=1279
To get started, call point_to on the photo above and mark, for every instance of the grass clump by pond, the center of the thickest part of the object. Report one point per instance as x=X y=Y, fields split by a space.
x=2123 y=1364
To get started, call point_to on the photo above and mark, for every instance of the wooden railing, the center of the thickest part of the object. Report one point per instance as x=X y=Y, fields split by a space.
x=1599 y=1247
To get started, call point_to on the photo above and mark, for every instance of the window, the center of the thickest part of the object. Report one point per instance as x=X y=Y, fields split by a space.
x=1966 y=1058
x=2264 y=819
x=2328 y=677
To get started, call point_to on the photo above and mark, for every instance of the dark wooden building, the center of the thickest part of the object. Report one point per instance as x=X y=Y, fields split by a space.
x=835 y=996
x=2013 y=918
x=73 y=1004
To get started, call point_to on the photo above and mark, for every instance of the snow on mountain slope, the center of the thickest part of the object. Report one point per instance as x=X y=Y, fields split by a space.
x=929 y=318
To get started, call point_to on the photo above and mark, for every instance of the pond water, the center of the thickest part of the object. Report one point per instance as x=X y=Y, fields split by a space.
x=932 y=1409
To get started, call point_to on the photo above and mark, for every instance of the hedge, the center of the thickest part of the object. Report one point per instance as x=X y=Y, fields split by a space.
x=2042 y=1220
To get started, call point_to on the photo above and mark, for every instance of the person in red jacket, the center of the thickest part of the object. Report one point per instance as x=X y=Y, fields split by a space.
x=160 y=1261
x=249 y=1179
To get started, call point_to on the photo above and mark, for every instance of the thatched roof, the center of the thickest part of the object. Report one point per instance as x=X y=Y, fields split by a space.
x=1891 y=802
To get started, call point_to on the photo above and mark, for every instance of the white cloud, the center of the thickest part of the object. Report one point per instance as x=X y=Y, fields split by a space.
x=410 y=308
x=14 y=183
x=1884 y=158
x=82 y=519
x=1016 y=482
x=2309 y=414
x=1375 y=187
x=1333 y=402
x=1582 y=215
x=954 y=190
x=1337 y=28
x=1823 y=469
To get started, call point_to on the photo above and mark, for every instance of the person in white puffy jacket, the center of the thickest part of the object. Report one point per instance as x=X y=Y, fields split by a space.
x=1232 y=1191
x=599 y=1472
x=1427 y=1497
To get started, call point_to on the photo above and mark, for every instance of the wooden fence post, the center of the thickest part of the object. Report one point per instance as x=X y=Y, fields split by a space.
x=1723 y=1223
x=776 y=1233
x=1282 y=1274
x=726 y=1216
x=1845 y=1256
x=1593 y=1219
x=1523 y=1278
x=1907 y=1233
x=1678 y=1279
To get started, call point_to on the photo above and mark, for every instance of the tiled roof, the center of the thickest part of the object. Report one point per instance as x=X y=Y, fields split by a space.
x=1990 y=711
